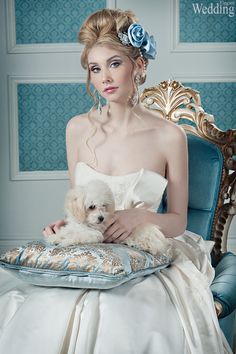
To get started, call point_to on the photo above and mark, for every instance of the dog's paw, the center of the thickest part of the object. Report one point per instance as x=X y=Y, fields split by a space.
x=52 y=240
x=149 y=238
x=94 y=236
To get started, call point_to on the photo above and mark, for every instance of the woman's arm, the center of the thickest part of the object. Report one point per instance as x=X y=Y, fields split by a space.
x=173 y=223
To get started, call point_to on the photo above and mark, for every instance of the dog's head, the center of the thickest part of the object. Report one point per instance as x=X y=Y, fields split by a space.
x=90 y=204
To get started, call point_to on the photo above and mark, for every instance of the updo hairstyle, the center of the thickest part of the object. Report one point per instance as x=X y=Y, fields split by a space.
x=102 y=27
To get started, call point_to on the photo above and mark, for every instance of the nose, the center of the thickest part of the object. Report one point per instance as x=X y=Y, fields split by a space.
x=100 y=219
x=106 y=78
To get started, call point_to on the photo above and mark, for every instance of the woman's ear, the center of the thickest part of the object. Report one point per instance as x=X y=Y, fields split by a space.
x=140 y=71
x=140 y=65
x=79 y=208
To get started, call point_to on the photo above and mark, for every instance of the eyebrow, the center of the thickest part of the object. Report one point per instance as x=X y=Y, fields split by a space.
x=109 y=59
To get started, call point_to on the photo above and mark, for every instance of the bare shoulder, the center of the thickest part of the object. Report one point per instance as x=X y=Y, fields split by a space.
x=76 y=123
x=167 y=130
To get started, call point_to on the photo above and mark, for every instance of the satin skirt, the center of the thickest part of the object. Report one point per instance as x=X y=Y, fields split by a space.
x=170 y=311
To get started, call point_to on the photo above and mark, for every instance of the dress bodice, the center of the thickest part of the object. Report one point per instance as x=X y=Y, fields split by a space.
x=142 y=186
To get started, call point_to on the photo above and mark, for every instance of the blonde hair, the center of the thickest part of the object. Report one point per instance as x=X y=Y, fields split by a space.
x=102 y=27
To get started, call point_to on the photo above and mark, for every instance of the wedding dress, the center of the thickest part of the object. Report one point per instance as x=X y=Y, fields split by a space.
x=168 y=312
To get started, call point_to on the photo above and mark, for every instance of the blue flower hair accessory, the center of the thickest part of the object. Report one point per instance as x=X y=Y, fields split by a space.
x=136 y=36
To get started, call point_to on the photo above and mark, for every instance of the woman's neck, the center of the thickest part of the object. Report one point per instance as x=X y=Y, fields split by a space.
x=119 y=115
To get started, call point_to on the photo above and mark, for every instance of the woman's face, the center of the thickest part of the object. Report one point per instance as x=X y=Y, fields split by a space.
x=111 y=73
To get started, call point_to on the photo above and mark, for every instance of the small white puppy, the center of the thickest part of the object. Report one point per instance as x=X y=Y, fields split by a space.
x=86 y=209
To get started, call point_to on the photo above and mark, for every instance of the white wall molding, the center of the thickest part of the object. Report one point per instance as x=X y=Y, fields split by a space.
x=180 y=47
x=14 y=48
x=217 y=77
x=13 y=81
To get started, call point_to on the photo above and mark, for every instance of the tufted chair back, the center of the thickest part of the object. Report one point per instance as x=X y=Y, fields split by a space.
x=205 y=173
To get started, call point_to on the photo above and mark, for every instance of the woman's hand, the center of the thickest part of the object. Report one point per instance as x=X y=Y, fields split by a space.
x=122 y=223
x=53 y=228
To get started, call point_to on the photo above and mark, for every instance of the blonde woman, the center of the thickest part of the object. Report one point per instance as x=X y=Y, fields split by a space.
x=138 y=153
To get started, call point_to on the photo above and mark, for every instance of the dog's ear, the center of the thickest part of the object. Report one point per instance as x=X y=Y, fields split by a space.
x=74 y=203
x=111 y=206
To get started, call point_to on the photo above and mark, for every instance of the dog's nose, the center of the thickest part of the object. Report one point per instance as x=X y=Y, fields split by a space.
x=100 y=218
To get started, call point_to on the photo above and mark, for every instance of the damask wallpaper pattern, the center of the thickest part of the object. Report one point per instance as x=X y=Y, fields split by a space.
x=207 y=21
x=219 y=99
x=52 y=21
x=43 y=112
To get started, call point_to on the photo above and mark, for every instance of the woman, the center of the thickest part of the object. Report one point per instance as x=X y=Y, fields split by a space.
x=128 y=137
x=125 y=144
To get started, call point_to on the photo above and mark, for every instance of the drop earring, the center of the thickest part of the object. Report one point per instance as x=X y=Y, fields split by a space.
x=137 y=79
x=97 y=99
x=134 y=100
x=99 y=104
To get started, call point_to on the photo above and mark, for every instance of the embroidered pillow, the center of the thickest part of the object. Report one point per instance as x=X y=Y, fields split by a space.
x=91 y=266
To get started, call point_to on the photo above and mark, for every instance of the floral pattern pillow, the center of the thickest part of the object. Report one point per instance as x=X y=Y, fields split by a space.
x=98 y=266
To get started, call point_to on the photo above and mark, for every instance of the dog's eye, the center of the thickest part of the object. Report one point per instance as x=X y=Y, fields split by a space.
x=92 y=207
x=104 y=205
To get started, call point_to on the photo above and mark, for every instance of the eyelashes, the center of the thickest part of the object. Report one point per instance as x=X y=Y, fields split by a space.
x=94 y=69
x=114 y=64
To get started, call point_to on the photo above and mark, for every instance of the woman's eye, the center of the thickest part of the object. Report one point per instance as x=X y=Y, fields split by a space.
x=95 y=69
x=115 y=64
x=92 y=207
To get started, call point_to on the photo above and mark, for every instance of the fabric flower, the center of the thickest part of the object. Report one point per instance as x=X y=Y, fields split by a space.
x=148 y=47
x=139 y=38
x=136 y=35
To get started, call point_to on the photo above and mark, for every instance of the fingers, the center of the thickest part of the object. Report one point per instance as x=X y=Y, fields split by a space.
x=117 y=237
x=122 y=237
x=110 y=222
x=115 y=233
x=51 y=229
x=111 y=230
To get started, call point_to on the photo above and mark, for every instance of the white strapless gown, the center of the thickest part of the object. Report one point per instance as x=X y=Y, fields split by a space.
x=169 y=312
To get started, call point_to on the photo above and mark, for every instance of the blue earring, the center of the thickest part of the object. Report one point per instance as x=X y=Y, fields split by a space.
x=98 y=102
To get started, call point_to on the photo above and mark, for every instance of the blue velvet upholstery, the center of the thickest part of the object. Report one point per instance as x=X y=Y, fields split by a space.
x=227 y=324
x=224 y=284
x=205 y=166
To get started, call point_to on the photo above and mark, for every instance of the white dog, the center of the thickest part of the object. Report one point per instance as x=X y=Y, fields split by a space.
x=86 y=209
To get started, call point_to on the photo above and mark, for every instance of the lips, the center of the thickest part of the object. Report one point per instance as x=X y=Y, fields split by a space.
x=110 y=89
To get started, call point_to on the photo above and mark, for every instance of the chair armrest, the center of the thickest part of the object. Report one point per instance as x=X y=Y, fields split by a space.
x=224 y=285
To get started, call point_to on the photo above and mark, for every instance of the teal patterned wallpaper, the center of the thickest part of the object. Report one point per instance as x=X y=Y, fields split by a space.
x=52 y=21
x=219 y=99
x=43 y=111
x=207 y=21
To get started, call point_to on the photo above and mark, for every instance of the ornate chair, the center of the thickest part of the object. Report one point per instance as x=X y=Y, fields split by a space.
x=212 y=185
